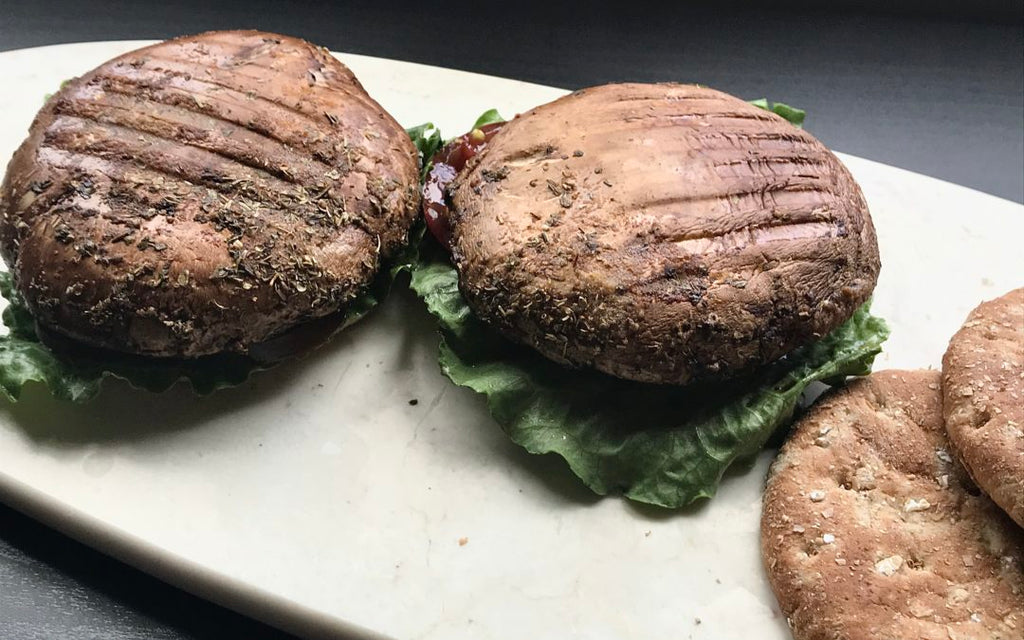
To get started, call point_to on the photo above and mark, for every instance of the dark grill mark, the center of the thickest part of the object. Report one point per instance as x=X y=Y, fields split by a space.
x=175 y=96
x=133 y=141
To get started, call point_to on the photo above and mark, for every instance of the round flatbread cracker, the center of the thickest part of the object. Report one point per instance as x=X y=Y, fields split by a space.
x=871 y=530
x=983 y=399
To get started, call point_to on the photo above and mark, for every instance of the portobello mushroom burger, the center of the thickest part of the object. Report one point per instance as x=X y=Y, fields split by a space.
x=195 y=199
x=644 y=278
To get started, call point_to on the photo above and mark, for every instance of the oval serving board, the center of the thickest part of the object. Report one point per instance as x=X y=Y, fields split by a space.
x=317 y=498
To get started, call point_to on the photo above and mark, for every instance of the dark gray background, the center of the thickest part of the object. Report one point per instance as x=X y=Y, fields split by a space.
x=922 y=89
x=930 y=86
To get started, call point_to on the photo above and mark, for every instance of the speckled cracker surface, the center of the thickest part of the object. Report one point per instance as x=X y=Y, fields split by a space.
x=872 y=530
x=983 y=399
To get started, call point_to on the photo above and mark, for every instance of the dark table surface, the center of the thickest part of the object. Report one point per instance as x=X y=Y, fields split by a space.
x=933 y=87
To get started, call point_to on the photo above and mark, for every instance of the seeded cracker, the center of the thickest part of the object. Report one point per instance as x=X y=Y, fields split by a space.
x=871 y=530
x=983 y=399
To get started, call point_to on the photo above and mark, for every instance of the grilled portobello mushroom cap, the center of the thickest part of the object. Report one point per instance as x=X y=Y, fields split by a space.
x=205 y=194
x=661 y=233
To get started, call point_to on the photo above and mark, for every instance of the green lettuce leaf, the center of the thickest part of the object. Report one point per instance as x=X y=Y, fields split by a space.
x=427 y=139
x=24 y=359
x=76 y=373
x=792 y=114
x=661 y=445
x=47 y=96
x=488 y=117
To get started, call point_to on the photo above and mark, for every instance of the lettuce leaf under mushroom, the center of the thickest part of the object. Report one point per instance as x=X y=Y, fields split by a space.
x=662 y=445
x=76 y=374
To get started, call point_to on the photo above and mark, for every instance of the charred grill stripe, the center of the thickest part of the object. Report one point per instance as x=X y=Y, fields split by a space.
x=187 y=68
x=243 y=144
x=753 y=211
x=299 y=178
x=59 y=191
x=730 y=129
x=779 y=146
x=727 y=133
x=789 y=138
x=64 y=160
x=73 y=216
x=135 y=174
x=675 y=97
x=145 y=162
x=188 y=71
x=758 y=190
x=349 y=86
x=751 y=237
x=170 y=95
x=778 y=227
x=227 y=165
x=720 y=142
x=712 y=145
x=724 y=127
x=754 y=235
x=234 y=48
x=671 y=119
x=793 y=172
x=652 y=283
x=797 y=161
x=271 y=202
x=103 y=174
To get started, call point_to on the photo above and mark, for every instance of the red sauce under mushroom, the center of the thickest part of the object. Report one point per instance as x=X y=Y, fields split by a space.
x=447 y=163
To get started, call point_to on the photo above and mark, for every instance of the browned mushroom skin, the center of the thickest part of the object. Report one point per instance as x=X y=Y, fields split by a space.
x=204 y=194
x=661 y=233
